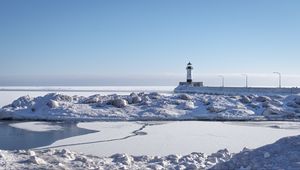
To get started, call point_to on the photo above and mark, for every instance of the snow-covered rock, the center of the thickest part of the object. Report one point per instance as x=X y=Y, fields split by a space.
x=216 y=108
x=245 y=99
x=22 y=101
x=92 y=99
x=292 y=104
x=144 y=106
x=120 y=103
x=154 y=95
x=53 y=104
x=188 y=105
x=134 y=98
x=263 y=99
x=185 y=97
x=37 y=160
x=297 y=100
x=122 y=158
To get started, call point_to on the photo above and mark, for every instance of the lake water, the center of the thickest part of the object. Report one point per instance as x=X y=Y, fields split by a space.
x=140 y=138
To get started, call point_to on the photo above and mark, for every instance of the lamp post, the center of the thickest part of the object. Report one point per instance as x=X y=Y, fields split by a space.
x=279 y=76
x=223 y=80
x=246 y=78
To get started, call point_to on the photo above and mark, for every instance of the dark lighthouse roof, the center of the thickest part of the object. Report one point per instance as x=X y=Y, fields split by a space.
x=189 y=66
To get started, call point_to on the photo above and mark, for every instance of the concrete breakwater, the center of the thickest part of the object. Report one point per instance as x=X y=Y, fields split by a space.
x=235 y=90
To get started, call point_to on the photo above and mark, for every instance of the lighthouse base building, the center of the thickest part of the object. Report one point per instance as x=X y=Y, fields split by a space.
x=194 y=84
x=189 y=80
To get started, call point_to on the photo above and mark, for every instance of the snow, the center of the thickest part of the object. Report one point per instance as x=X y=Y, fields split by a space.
x=283 y=154
x=66 y=159
x=153 y=106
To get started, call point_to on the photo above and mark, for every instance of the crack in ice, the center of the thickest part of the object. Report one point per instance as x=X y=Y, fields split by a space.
x=137 y=132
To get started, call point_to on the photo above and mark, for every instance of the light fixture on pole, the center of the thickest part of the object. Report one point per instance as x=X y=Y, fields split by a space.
x=223 y=80
x=279 y=76
x=246 y=78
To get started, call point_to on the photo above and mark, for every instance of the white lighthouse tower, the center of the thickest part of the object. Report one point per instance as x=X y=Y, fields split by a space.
x=189 y=69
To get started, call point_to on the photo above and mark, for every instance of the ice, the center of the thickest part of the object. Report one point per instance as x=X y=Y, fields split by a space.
x=164 y=138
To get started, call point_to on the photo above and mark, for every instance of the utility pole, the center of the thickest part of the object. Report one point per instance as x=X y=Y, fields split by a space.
x=246 y=77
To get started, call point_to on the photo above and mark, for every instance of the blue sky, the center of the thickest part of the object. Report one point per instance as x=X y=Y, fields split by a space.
x=148 y=42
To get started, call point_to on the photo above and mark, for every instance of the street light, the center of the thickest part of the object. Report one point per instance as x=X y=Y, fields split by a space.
x=279 y=75
x=246 y=76
x=222 y=77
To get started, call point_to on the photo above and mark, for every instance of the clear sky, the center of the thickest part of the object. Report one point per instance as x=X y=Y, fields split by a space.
x=148 y=42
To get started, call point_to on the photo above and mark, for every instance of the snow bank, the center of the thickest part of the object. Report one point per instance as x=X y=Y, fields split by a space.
x=65 y=159
x=154 y=106
x=283 y=154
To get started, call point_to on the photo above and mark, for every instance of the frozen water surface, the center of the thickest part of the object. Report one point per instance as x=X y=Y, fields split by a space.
x=174 y=137
x=37 y=126
x=144 y=138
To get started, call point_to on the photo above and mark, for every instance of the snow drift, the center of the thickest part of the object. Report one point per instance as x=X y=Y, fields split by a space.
x=283 y=154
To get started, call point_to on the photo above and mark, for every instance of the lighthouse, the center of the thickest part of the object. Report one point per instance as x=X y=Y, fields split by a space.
x=189 y=69
x=189 y=81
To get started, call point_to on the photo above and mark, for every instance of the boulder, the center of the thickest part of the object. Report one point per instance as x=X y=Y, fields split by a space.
x=134 y=98
x=36 y=160
x=266 y=104
x=133 y=94
x=22 y=102
x=277 y=112
x=292 y=104
x=122 y=158
x=146 y=100
x=297 y=100
x=154 y=95
x=120 y=103
x=254 y=106
x=185 y=97
x=92 y=99
x=263 y=99
x=188 y=105
x=216 y=108
x=59 y=97
x=245 y=100
x=206 y=102
x=53 y=104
